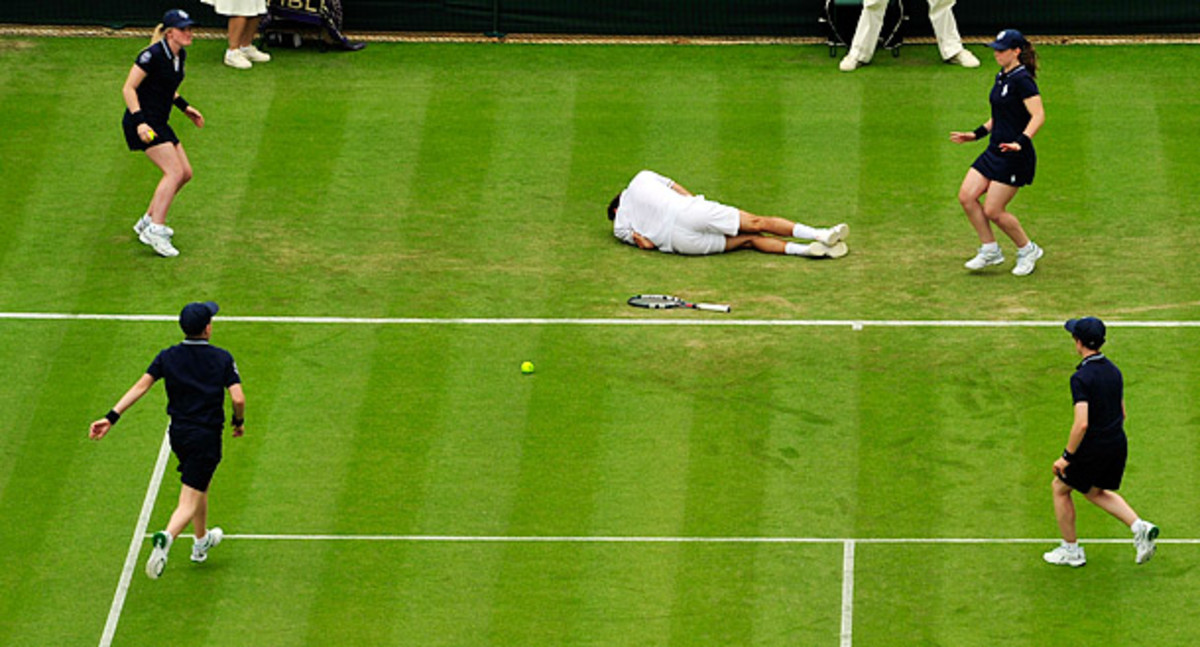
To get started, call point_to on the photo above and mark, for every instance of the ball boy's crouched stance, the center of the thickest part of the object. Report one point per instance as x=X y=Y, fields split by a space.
x=1094 y=459
x=196 y=374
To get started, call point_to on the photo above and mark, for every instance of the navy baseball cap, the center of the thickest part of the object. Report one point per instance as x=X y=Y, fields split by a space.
x=195 y=316
x=1008 y=39
x=177 y=19
x=1088 y=330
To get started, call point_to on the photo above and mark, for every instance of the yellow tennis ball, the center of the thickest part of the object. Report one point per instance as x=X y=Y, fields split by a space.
x=151 y=133
x=527 y=367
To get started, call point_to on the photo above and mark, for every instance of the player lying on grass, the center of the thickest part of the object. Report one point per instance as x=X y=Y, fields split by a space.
x=1094 y=460
x=654 y=212
x=197 y=374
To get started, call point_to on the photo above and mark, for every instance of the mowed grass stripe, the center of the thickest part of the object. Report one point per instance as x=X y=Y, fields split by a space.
x=49 y=597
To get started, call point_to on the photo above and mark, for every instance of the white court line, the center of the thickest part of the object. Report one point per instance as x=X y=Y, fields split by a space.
x=848 y=593
x=684 y=320
x=135 y=544
x=634 y=539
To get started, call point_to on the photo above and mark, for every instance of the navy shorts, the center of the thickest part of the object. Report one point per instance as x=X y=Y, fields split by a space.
x=163 y=134
x=1013 y=169
x=1101 y=467
x=199 y=453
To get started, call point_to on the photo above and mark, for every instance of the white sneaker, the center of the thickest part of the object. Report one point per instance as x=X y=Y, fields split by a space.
x=850 y=63
x=254 y=55
x=1027 y=261
x=236 y=59
x=984 y=259
x=834 y=234
x=158 y=237
x=818 y=249
x=201 y=547
x=1143 y=538
x=158 y=554
x=964 y=58
x=144 y=222
x=1064 y=556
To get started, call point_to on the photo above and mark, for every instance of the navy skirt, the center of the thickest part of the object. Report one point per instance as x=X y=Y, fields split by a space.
x=1013 y=169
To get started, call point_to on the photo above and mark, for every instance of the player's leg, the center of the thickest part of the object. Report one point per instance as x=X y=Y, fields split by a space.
x=995 y=208
x=752 y=224
x=866 y=35
x=190 y=500
x=234 y=57
x=1064 y=511
x=1069 y=552
x=174 y=166
x=772 y=245
x=975 y=186
x=162 y=540
x=941 y=15
x=1114 y=504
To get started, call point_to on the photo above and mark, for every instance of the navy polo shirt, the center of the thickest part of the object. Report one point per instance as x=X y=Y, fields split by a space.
x=196 y=375
x=1098 y=382
x=1009 y=115
x=164 y=73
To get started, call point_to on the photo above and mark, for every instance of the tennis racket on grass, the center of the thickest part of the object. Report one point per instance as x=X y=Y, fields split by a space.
x=666 y=301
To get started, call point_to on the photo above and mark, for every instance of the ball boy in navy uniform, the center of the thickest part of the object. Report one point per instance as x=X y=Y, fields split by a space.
x=1009 y=161
x=149 y=91
x=1094 y=459
x=197 y=374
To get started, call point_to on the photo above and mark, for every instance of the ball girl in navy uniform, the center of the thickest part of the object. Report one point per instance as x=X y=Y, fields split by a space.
x=1009 y=161
x=150 y=90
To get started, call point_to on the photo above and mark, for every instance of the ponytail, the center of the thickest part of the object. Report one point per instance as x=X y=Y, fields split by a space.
x=158 y=34
x=1029 y=58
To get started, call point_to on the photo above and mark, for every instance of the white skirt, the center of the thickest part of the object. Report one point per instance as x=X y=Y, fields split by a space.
x=238 y=7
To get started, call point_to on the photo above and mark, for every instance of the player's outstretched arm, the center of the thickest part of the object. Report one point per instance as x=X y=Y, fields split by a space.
x=99 y=428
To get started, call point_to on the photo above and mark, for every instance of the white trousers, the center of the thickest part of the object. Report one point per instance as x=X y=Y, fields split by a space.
x=941 y=14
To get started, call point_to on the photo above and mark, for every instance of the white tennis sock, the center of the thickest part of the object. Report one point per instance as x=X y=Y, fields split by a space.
x=805 y=232
x=795 y=249
x=990 y=247
x=1072 y=545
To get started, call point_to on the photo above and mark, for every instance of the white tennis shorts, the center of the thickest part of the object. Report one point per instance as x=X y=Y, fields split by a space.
x=701 y=227
x=238 y=7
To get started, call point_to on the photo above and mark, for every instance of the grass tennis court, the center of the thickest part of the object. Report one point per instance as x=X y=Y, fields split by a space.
x=468 y=181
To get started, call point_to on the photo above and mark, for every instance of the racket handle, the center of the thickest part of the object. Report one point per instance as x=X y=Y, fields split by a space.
x=712 y=307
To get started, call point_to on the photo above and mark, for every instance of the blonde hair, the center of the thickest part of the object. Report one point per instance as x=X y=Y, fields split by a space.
x=158 y=34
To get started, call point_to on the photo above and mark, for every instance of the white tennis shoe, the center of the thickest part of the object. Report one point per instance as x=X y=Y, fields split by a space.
x=964 y=58
x=158 y=237
x=201 y=546
x=850 y=63
x=144 y=222
x=158 y=554
x=984 y=259
x=1066 y=556
x=254 y=54
x=236 y=59
x=817 y=249
x=834 y=235
x=1144 y=534
x=1026 y=261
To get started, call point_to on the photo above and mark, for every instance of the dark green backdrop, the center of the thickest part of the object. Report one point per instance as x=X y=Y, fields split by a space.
x=683 y=17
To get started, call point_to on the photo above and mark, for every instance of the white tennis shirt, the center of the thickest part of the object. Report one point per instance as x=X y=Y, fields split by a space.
x=649 y=206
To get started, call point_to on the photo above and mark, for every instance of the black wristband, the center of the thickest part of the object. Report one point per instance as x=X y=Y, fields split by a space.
x=1024 y=141
x=181 y=103
x=112 y=416
x=138 y=117
x=1068 y=456
x=980 y=133
x=236 y=421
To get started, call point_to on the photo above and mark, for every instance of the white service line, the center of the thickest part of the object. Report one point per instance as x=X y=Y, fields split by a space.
x=634 y=539
x=135 y=544
x=685 y=319
x=848 y=593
